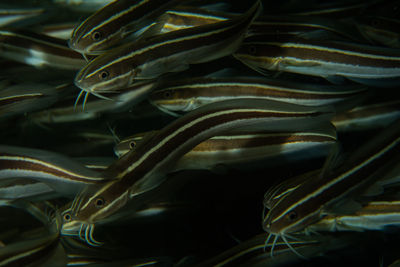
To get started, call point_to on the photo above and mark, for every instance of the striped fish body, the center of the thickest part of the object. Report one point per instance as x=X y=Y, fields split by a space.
x=62 y=174
x=375 y=215
x=237 y=150
x=187 y=17
x=170 y=52
x=27 y=97
x=111 y=24
x=142 y=169
x=66 y=111
x=39 y=50
x=305 y=204
x=183 y=96
x=319 y=58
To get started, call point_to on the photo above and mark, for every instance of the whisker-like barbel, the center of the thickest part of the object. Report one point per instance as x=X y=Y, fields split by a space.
x=143 y=169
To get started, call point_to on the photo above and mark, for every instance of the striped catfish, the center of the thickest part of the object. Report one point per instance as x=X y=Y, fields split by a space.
x=309 y=202
x=113 y=22
x=68 y=111
x=16 y=188
x=328 y=59
x=27 y=97
x=142 y=169
x=169 y=52
x=59 y=172
x=38 y=50
x=188 y=94
x=375 y=215
x=238 y=149
x=186 y=17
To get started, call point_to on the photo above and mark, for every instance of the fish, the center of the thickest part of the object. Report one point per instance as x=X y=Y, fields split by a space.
x=143 y=169
x=110 y=24
x=39 y=50
x=59 y=172
x=237 y=150
x=328 y=59
x=180 y=96
x=338 y=181
x=164 y=53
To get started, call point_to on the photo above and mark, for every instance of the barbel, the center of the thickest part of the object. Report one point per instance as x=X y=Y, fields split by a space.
x=306 y=204
x=169 y=52
x=142 y=169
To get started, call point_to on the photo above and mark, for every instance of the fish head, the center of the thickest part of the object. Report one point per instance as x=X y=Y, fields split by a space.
x=101 y=75
x=93 y=36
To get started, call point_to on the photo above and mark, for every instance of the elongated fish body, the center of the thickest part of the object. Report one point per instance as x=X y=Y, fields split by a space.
x=320 y=58
x=170 y=52
x=143 y=168
x=27 y=188
x=39 y=50
x=16 y=188
x=27 y=97
x=368 y=116
x=306 y=204
x=375 y=215
x=187 y=17
x=66 y=111
x=59 y=172
x=239 y=149
x=189 y=94
x=113 y=22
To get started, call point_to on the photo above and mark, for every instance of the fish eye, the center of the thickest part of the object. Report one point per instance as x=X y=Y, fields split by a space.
x=167 y=94
x=96 y=36
x=292 y=215
x=132 y=145
x=99 y=202
x=104 y=75
x=252 y=49
x=67 y=217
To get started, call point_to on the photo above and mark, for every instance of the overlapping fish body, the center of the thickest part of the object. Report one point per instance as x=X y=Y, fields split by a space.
x=39 y=50
x=113 y=22
x=170 y=52
x=328 y=59
x=144 y=168
x=177 y=97
x=306 y=203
